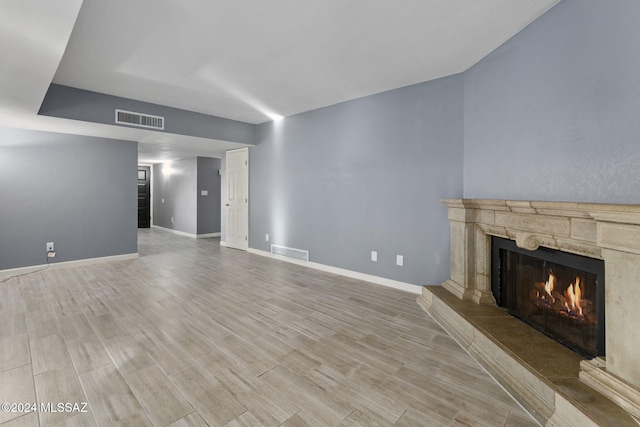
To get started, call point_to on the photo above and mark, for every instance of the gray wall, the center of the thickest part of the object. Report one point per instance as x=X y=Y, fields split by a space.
x=78 y=104
x=549 y=115
x=553 y=113
x=79 y=192
x=208 y=206
x=363 y=175
x=178 y=190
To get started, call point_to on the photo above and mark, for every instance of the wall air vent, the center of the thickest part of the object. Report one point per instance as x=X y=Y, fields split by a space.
x=140 y=120
x=290 y=252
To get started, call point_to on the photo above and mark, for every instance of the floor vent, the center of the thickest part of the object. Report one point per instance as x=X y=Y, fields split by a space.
x=138 y=119
x=290 y=252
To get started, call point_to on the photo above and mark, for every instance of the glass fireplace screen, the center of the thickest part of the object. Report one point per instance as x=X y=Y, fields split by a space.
x=558 y=293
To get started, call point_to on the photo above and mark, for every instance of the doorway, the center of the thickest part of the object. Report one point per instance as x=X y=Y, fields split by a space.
x=237 y=203
x=144 y=196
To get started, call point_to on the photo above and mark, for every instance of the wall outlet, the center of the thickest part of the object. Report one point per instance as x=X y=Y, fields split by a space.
x=266 y=237
x=374 y=256
x=50 y=247
x=399 y=260
x=204 y=192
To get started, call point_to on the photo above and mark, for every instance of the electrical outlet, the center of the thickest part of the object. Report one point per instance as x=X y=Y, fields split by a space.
x=374 y=256
x=266 y=237
x=50 y=247
x=399 y=260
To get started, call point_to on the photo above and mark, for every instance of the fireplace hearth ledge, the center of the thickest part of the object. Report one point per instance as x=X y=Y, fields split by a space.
x=518 y=357
x=604 y=231
x=594 y=373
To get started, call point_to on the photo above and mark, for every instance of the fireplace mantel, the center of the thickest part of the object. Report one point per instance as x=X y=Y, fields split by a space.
x=604 y=231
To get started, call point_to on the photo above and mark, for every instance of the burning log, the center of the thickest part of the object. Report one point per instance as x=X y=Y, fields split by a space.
x=568 y=303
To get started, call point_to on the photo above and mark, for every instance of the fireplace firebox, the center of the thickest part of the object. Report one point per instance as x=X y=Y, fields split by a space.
x=556 y=292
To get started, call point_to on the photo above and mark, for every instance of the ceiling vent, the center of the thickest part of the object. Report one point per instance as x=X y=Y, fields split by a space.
x=140 y=120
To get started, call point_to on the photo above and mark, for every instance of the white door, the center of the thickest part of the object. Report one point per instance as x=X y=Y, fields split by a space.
x=237 y=203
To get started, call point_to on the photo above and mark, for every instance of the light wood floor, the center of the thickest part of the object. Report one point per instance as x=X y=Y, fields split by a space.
x=192 y=334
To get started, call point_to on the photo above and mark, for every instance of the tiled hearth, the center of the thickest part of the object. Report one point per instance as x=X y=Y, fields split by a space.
x=552 y=382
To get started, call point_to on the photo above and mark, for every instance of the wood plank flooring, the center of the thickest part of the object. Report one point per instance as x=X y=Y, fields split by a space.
x=194 y=334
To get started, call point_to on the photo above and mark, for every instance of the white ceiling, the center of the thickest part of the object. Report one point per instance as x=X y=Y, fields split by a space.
x=247 y=60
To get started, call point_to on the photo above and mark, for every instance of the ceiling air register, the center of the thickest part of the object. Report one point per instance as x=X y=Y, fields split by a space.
x=131 y=118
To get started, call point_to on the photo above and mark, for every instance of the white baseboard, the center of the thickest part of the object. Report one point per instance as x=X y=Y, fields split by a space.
x=403 y=286
x=65 y=264
x=185 y=234
x=223 y=243
x=179 y=233
x=207 y=235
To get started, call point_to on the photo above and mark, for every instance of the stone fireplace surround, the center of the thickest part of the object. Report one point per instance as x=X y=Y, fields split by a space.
x=572 y=391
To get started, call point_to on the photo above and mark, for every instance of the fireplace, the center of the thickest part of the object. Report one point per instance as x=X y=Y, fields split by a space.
x=574 y=389
x=557 y=293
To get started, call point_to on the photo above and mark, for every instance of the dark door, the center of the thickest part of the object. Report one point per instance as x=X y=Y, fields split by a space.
x=144 y=197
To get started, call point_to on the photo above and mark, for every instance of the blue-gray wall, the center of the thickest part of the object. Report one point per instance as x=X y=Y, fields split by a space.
x=179 y=184
x=553 y=113
x=71 y=103
x=549 y=115
x=208 y=206
x=174 y=195
x=363 y=175
x=79 y=192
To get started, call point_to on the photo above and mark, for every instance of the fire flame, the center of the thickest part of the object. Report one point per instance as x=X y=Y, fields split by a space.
x=574 y=294
x=549 y=285
x=569 y=304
